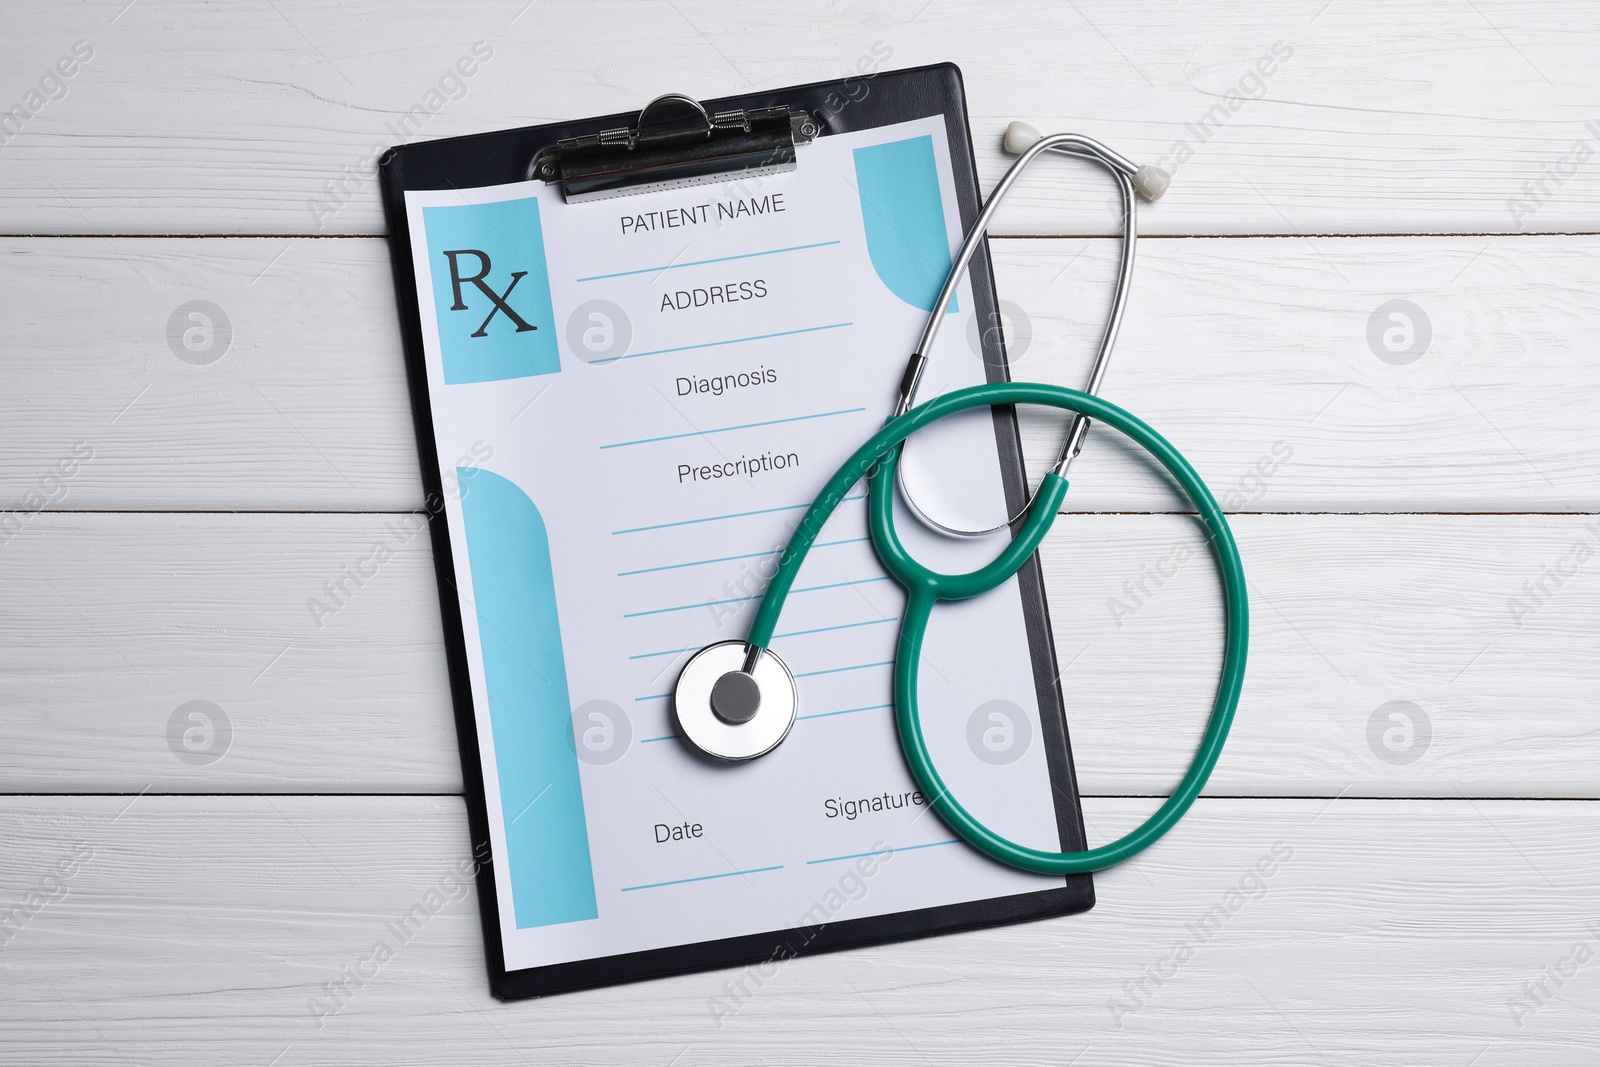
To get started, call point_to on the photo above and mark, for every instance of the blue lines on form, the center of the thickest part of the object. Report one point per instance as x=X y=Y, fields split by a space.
x=730 y=429
x=732 y=341
x=730 y=515
x=841 y=670
x=730 y=559
x=846 y=711
x=797 y=718
x=775 y=637
x=703 y=262
x=881 y=852
x=742 y=599
x=841 y=626
x=701 y=878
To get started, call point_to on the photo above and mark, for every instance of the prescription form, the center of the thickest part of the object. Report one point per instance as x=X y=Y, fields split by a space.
x=634 y=400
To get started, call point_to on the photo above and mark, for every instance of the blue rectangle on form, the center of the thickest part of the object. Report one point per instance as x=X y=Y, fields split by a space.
x=491 y=291
x=530 y=714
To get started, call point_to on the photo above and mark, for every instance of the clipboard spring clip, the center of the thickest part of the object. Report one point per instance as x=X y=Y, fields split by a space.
x=676 y=143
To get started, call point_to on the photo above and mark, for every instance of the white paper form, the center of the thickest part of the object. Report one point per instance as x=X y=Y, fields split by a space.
x=637 y=398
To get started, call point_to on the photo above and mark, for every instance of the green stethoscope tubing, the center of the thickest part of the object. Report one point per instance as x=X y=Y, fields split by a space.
x=876 y=459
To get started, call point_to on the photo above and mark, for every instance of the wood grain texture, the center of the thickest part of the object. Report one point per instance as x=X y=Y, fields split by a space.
x=307 y=408
x=118 y=620
x=1370 y=117
x=1234 y=349
x=1421 y=539
x=201 y=930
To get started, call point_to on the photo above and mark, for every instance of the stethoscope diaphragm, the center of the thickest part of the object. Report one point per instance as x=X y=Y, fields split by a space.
x=730 y=713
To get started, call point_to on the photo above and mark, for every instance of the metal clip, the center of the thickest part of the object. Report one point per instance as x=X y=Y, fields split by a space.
x=676 y=144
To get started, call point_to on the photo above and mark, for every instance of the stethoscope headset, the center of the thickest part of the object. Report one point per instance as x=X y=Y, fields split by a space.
x=736 y=700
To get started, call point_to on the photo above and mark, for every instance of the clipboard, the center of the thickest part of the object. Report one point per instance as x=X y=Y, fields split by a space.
x=679 y=143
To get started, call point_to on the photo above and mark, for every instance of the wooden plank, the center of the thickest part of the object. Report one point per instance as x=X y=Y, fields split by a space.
x=198 y=929
x=136 y=616
x=304 y=405
x=1243 y=352
x=1471 y=623
x=1361 y=118
x=1257 y=358
x=1390 y=655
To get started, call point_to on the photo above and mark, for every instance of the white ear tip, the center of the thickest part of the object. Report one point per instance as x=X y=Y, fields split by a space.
x=1151 y=182
x=1020 y=137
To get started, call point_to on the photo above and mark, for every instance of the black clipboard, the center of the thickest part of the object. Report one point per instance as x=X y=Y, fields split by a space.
x=856 y=103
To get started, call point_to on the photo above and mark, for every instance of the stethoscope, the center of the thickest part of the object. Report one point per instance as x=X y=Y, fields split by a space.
x=736 y=700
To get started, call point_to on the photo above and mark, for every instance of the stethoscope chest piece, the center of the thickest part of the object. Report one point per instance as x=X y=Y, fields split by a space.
x=728 y=713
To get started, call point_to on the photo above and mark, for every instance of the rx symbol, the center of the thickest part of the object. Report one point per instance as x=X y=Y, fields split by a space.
x=498 y=299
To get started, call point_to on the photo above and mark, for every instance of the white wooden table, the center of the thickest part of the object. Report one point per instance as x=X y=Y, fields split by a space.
x=1415 y=757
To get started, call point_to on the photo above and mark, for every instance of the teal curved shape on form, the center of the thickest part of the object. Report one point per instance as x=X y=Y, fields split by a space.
x=904 y=218
x=530 y=714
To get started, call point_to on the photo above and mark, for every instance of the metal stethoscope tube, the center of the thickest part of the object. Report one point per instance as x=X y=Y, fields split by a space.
x=1151 y=184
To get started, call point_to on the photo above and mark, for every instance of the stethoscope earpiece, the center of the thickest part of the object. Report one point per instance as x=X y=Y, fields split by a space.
x=1149 y=181
x=1020 y=137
